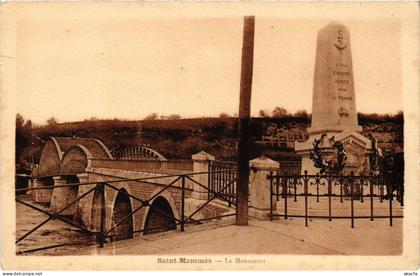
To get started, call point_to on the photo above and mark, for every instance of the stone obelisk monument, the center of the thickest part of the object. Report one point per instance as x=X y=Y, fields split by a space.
x=333 y=105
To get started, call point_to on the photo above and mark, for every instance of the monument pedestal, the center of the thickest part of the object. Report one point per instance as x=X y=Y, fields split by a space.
x=356 y=146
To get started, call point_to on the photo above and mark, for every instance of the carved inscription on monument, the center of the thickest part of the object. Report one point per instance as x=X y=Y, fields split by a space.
x=342 y=76
x=342 y=79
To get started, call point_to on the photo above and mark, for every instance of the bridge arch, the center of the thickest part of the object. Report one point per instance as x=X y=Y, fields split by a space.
x=155 y=220
x=75 y=160
x=63 y=158
x=49 y=166
x=137 y=152
x=49 y=162
x=121 y=208
x=95 y=147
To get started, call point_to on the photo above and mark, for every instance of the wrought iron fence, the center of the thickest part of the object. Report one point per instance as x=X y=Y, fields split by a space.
x=220 y=173
x=289 y=190
x=103 y=234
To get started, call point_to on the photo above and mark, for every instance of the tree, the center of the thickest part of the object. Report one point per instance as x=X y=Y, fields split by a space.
x=19 y=121
x=279 y=112
x=52 y=122
x=23 y=140
x=92 y=119
x=399 y=116
x=151 y=116
x=263 y=113
x=301 y=114
x=174 y=117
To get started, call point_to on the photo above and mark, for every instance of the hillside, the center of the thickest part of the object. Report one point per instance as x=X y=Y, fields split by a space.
x=180 y=138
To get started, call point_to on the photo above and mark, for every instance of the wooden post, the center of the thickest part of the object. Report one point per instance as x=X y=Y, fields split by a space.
x=271 y=195
x=182 y=203
x=305 y=189
x=243 y=124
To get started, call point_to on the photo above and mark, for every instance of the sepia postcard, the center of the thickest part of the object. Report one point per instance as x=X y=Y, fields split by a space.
x=209 y=136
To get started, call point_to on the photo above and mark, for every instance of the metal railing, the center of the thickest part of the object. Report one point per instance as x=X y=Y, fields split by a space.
x=220 y=173
x=290 y=189
x=104 y=233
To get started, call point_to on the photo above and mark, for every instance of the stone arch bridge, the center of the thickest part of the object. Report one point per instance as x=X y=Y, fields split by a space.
x=139 y=192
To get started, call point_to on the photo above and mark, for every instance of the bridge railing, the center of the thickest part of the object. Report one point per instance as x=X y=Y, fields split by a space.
x=147 y=165
x=220 y=173
x=299 y=195
x=104 y=234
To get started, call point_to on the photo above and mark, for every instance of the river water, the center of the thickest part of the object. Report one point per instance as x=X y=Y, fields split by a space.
x=54 y=232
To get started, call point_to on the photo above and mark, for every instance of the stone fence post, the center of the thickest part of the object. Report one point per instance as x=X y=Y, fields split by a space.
x=201 y=164
x=259 y=186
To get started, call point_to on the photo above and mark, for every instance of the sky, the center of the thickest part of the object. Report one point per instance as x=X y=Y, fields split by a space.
x=128 y=68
